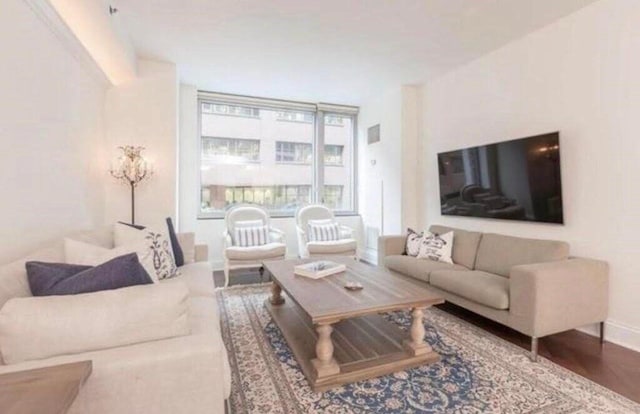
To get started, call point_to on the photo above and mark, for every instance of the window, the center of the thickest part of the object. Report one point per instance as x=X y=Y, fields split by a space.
x=339 y=158
x=294 y=152
x=295 y=116
x=335 y=120
x=232 y=110
x=333 y=154
x=254 y=157
x=231 y=150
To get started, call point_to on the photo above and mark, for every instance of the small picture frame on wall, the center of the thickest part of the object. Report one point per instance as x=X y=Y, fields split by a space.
x=373 y=134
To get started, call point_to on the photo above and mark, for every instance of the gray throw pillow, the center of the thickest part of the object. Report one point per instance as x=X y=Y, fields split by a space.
x=46 y=279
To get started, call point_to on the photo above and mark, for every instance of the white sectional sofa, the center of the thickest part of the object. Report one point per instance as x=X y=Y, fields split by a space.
x=175 y=363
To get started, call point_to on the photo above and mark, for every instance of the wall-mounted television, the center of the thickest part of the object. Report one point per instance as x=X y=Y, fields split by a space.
x=512 y=180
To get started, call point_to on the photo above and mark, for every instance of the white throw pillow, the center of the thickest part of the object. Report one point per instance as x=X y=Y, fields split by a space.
x=158 y=246
x=413 y=243
x=438 y=247
x=324 y=232
x=251 y=236
x=81 y=253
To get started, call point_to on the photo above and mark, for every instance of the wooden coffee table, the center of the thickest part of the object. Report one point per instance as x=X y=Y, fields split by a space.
x=337 y=335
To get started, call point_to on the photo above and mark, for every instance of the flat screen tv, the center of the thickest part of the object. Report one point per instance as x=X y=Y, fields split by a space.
x=512 y=180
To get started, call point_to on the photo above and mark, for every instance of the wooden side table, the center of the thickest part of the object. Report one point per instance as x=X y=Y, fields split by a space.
x=49 y=390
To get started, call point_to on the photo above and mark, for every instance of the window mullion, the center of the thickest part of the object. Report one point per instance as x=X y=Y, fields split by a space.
x=318 y=159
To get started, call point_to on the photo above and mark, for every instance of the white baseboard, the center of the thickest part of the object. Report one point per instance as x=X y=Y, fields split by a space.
x=617 y=333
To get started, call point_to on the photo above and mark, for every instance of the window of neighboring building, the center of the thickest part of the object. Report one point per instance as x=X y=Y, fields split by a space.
x=245 y=111
x=245 y=160
x=295 y=116
x=294 y=152
x=335 y=120
x=231 y=150
x=333 y=154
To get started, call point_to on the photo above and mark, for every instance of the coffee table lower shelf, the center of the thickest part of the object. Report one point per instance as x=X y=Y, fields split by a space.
x=363 y=347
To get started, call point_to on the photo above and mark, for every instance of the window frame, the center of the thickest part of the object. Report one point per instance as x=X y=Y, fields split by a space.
x=317 y=164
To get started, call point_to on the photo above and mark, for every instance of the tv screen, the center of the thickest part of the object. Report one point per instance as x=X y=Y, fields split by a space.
x=512 y=180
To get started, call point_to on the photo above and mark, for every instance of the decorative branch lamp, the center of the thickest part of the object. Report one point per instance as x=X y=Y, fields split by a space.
x=131 y=168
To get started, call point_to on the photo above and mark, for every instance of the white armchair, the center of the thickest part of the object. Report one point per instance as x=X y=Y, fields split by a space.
x=238 y=257
x=346 y=245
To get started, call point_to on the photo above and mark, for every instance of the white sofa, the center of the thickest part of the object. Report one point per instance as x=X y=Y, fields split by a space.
x=186 y=372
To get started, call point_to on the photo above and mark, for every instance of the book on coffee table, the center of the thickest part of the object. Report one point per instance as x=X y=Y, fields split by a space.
x=319 y=269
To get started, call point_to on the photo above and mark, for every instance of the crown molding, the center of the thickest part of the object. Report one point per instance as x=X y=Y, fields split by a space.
x=50 y=17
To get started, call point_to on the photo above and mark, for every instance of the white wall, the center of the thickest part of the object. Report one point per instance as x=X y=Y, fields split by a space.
x=51 y=135
x=580 y=76
x=388 y=180
x=209 y=231
x=144 y=112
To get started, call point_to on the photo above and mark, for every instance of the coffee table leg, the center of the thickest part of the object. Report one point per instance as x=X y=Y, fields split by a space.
x=324 y=363
x=416 y=345
x=276 y=294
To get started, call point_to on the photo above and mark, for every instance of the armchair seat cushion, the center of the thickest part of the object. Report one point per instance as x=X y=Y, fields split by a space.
x=341 y=246
x=265 y=251
x=417 y=268
x=481 y=287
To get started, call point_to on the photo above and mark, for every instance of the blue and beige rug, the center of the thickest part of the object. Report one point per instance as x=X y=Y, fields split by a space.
x=478 y=373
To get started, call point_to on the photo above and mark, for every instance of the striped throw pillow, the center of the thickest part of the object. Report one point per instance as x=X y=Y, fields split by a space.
x=250 y=236
x=324 y=232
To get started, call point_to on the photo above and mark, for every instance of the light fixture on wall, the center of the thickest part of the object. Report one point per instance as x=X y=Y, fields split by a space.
x=131 y=168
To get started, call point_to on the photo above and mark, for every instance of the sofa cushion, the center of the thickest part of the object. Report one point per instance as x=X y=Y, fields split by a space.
x=198 y=277
x=417 y=268
x=176 y=249
x=332 y=247
x=41 y=327
x=13 y=276
x=465 y=244
x=48 y=279
x=498 y=253
x=266 y=251
x=481 y=287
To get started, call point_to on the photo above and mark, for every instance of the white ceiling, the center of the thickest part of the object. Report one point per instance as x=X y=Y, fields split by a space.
x=338 y=51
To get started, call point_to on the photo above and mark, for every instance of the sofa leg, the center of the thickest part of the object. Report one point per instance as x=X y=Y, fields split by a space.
x=534 y=349
x=226 y=275
x=261 y=271
x=602 y=333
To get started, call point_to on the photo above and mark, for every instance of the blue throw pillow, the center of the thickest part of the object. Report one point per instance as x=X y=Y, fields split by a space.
x=46 y=279
x=178 y=255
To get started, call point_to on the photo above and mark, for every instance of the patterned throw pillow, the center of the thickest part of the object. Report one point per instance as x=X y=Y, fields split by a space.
x=251 y=236
x=324 y=232
x=414 y=240
x=157 y=249
x=437 y=247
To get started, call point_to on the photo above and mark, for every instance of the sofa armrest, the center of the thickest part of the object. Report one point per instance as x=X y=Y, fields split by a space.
x=46 y=326
x=389 y=246
x=551 y=297
x=201 y=253
x=187 y=243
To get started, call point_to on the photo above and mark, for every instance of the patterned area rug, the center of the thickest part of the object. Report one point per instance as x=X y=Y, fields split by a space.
x=478 y=373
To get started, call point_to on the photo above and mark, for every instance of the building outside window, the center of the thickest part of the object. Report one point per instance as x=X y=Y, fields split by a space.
x=333 y=154
x=231 y=150
x=294 y=152
x=245 y=159
x=232 y=110
x=296 y=116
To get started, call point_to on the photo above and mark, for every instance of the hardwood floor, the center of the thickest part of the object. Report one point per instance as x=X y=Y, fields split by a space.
x=609 y=365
